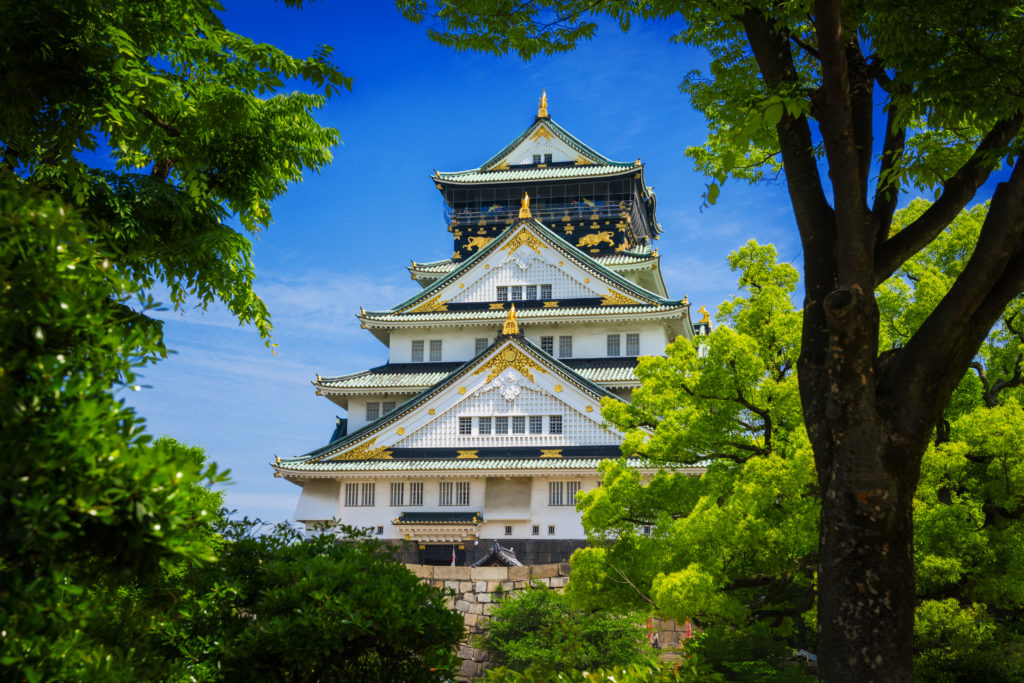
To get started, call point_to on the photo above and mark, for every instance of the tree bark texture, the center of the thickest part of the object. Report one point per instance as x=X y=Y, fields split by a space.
x=869 y=415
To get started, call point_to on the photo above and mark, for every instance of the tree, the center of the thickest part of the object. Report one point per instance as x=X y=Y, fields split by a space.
x=540 y=629
x=195 y=137
x=949 y=92
x=276 y=606
x=733 y=550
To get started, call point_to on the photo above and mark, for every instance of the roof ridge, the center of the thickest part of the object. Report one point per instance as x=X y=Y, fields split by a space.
x=566 y=137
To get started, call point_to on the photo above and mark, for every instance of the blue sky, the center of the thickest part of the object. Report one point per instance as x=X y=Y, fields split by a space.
x=343 y=239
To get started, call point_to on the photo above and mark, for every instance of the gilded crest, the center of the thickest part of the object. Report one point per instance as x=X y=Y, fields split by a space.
x=431 y=306
x=614 y=298
x=524 y=238
x=510 y=357
x=365 y=451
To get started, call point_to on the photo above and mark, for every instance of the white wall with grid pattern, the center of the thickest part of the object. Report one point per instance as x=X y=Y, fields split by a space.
x=564 y=285
x=577 y=428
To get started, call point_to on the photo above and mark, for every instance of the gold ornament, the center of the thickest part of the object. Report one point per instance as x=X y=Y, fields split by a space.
x=524 y=238
x=365 y=451
x=431 y=306
x=510 y=357
x=705 y=316
x=511 y=325
x=542 y=110
x=524 y=209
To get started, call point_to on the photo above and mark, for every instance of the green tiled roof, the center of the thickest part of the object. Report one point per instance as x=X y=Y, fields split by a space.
x=439 y=518
x=568 y=138
x=527 y=174
x=641 y=256
x=422 y=380
x=525 y=315
x=568 y=250
x=440 y=465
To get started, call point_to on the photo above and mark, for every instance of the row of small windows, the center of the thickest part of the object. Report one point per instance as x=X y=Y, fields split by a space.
x=547 y=344
x=418 y=348
x=374 y=409
x=632 y=344
x=547 y=158
x=519 y=424
x=450 y=494
x=515 y=292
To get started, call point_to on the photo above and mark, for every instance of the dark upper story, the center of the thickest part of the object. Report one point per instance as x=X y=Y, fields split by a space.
x=599 y=205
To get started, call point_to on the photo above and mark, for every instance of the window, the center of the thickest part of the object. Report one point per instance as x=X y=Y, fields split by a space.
x=481 y=345
x=531 y=292
x=484 y=425
x=462 y=493
x=547 y=345
x=536 y=529
x=416 y=493
x=565 y=347
x=647 y=529
x=613 y=344
x=417 y=351
x=547 y=158
x=633 y=344
x=555 y=424
x=536 y=424
x=386 y=407
x=551 y=529
x=508 y=530
x=545 y=291
x=555 y=492
x=536 y=158
x=445 y=493
x=502 y=293
x=465 y=425
x=353 y=499
x=372 y=411
x=380 y=531
x=351 y=495
x=563 y=492
x=435 y=350
x=501 y=425
x=397 y=494
x=517 y=292
x=518 y=424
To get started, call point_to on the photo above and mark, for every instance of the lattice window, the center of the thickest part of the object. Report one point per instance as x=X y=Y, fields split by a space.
x=551 y=529
x=368 y=491
x=613 y=344
x=547 y=345
x=519 y=424
x=551 y=282
x=555 y=424
x=462 y=493
x=415 y=493
x=536 y=529
x=372 y=411
x=417 y=351
x=517 y=292
x=465 y=425
x=556 y=491
x=563 y=426
x=571 y=489
x=565 y=346
x=435 y=350
x=386 y=407
x=633 y=344
x=351 y=495
x=397 y=494
x=445 y=493
x=531 y=292
x=536 y=424
x=480 y=345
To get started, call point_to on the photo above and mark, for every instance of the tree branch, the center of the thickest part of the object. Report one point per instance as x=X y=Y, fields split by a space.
x=887 y=190
x=956 y=192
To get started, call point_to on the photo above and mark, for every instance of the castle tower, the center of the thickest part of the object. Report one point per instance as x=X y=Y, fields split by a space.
x=486 y=420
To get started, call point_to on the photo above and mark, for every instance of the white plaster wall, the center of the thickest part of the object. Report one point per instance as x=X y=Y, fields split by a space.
x=318 y=501
x=589 y=340
x=357 y=407
x=529 y=269
x=540 y=144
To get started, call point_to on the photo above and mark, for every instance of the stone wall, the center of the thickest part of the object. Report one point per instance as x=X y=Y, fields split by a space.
x=476 y=590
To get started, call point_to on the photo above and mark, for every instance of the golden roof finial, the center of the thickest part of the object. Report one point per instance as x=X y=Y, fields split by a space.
x=524 y=210
x=277 y=460
x=511 y=324
x=706 y=317
x=542 y=110
x=686 y=300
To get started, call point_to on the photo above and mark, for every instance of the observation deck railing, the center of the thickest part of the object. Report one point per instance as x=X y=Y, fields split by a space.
x=548 y=213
